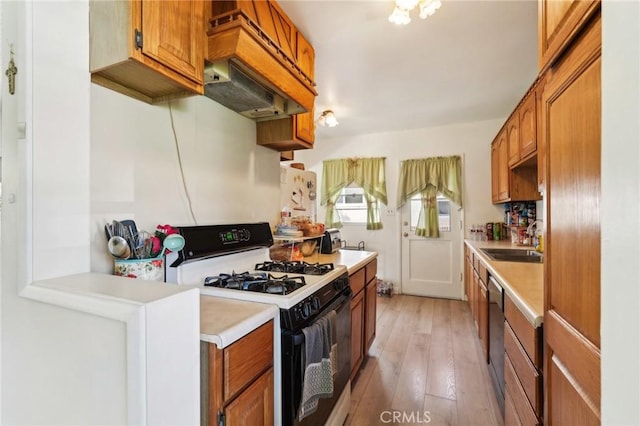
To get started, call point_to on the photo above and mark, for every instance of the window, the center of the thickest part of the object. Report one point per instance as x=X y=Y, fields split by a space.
x=444 y=212
x=352 y=206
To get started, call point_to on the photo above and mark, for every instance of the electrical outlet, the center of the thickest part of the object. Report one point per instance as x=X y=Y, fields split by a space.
x=391 y=211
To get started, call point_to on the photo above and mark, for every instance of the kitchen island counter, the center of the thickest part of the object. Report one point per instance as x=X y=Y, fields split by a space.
x=522 y=282
x=223 y=321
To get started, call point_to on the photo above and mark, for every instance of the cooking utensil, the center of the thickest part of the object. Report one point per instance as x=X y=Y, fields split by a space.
x=118 y=247
x=173 y=242
x=143 y=245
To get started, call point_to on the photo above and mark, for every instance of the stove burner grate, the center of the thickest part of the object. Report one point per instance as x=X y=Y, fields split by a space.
x=260 y=282
x=295 y=267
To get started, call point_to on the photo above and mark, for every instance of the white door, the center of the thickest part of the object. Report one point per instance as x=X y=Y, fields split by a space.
x=432 y=266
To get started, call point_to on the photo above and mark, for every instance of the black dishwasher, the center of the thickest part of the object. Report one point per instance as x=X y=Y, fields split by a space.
x=496 y=339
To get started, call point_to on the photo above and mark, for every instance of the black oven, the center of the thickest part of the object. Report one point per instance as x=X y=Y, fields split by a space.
x=496 y=339
x=293 y=350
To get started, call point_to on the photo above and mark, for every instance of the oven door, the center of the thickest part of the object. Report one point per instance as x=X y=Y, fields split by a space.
x=292 y=366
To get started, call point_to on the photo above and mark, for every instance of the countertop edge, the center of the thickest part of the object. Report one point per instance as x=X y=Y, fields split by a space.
x=234 y=332
x=529 y=313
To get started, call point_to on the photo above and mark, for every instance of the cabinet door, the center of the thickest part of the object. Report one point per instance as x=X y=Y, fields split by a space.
x=370 y=314
x=513 y=139
x=503 y=167
x=527 y=117
x=254 y=406
x=483 y=318
x=495 y=172
x=305 y=127
x=541 y=144
x=558 y=23
x=174 y=35
x=475 y=302
x=306 y=56
x=572 y=108
x=357 y=332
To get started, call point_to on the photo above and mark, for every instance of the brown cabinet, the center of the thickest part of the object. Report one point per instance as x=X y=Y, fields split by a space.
x=370 y=303
x=363 y=283
x=237 y=381
x=523 y=365
x=510 y=184
x=572 y=132
x=559 y=22
x=541 y=145
x=149 y=50
x=357 y=332
x=527 y=122
x=513 y=139
x=477 y=276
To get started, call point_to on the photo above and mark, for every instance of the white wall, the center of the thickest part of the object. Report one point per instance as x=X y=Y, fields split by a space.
x=135 y=171
x=91 y=155
x=472 y=141
x=620 y=321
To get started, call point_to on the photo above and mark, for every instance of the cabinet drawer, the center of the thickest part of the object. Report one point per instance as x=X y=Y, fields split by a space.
x=528 y=375
x=517 y=395
x=483 y=273
x=357 y=280
x=247 y=358
x=371 y=270
x=528 y=335
x=510 y=414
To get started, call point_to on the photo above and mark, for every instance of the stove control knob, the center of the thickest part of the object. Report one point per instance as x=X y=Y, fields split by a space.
x=306 y=310
x=315 y=304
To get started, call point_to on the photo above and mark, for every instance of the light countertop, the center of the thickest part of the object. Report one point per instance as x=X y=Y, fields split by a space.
x=522 y=282
x=223 y=321
x=352 y=259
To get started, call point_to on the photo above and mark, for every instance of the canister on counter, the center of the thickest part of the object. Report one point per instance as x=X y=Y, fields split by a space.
x=497 y=231
x=489 y=228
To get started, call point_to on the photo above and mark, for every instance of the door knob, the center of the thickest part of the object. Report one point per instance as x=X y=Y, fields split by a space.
x=406 y=234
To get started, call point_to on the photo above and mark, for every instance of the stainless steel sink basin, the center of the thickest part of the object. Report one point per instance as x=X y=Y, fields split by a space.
x=513 y=255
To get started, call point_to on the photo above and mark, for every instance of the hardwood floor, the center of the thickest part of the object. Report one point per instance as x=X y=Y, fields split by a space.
x=425 y=367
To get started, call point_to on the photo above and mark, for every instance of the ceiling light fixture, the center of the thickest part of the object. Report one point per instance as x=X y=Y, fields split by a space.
x=328 y=119
x=400 y=14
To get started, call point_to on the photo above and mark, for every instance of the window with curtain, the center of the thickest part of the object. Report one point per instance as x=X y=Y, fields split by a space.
x=426 y=178
x=365 y=173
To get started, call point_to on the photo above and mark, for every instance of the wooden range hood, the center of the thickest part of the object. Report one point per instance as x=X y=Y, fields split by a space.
x=259 y=38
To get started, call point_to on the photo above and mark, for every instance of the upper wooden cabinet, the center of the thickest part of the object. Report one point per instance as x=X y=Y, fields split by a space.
x=527 y=123
x=510 y=184
x=558 y=24
x=513 y=139
x=150 y=50
x=289 y=133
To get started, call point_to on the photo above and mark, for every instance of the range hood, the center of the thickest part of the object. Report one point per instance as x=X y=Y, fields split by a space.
x=230 y=85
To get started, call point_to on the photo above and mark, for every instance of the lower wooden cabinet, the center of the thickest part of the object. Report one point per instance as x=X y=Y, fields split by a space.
x=237 y=381
x=363 y=283
x=357 y=332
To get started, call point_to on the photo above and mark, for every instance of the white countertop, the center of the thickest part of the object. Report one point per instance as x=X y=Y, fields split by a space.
x=352 y=259
x=522 y=282
x=223 y=321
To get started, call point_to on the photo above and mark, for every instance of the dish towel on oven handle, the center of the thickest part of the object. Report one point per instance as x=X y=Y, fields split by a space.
x=320 y=363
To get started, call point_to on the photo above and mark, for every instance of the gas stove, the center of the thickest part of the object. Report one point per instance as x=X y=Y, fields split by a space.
x=305 y=293
x=213 y=254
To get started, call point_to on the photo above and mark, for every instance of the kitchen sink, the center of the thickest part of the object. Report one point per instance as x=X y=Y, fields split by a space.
x=513 y=255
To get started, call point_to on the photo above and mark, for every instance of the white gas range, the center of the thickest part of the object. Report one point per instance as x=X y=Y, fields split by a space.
x=225 y=261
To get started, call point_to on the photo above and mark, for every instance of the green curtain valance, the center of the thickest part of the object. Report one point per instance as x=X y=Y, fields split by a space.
x=427 y=177
x=367 y=173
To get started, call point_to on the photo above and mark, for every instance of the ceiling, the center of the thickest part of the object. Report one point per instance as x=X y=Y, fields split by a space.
x=471 y=61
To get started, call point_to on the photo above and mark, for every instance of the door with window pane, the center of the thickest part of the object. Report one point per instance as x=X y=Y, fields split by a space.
x=432 y=266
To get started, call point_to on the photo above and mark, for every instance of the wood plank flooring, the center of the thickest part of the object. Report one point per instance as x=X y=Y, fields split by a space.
x=425 y=367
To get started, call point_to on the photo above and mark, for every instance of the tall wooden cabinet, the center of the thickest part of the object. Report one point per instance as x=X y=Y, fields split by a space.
x=572 y=131
x=152 y=51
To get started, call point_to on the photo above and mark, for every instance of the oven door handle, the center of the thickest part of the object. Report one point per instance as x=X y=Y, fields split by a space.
x=298 y=338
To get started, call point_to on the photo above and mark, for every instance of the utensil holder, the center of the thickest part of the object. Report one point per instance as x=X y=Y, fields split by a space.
x=151 y=269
